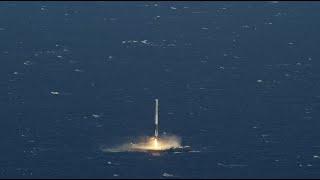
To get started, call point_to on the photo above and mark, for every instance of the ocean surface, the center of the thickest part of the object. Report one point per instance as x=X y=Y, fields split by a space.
x=238 y=82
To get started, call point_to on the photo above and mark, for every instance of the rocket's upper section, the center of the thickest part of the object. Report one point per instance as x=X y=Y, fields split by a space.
x=156 y=111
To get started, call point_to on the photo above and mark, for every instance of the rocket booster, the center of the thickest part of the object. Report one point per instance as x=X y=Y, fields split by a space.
x=156 y=119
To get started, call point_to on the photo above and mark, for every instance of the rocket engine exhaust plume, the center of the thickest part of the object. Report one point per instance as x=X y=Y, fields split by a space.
x=145 y=144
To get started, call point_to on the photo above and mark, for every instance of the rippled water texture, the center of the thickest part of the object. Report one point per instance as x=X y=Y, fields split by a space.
x=237 y=82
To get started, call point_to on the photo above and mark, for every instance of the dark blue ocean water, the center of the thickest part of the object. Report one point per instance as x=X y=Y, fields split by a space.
x=238 y=82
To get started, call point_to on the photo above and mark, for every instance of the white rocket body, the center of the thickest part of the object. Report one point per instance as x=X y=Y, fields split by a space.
x=156 y=119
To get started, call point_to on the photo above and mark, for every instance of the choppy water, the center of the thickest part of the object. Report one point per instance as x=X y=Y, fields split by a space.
x=238 y=82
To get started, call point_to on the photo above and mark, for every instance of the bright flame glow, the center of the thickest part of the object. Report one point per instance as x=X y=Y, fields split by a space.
x=157 y=144
x=149 y=144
